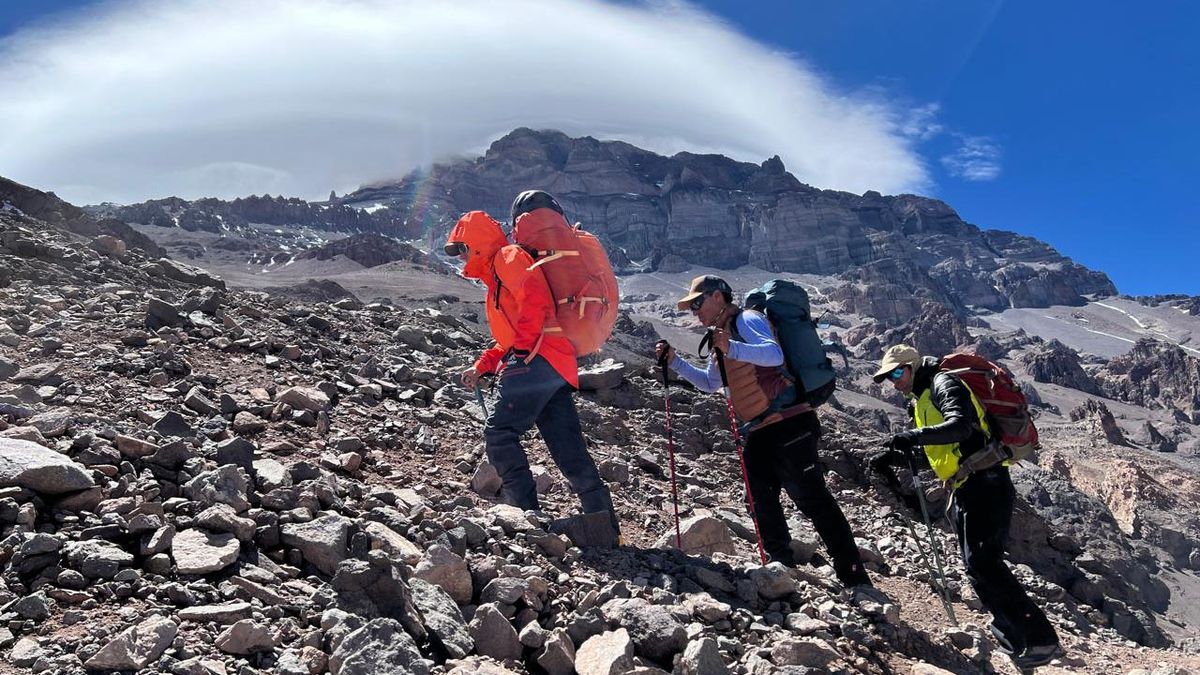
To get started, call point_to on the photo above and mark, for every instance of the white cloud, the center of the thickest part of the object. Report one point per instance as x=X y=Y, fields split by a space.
x=922 y=122
x=140 y=99
x=976 y=159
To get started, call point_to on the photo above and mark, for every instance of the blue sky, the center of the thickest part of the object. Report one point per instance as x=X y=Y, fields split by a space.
x=1070 y=122
x=1093 y=108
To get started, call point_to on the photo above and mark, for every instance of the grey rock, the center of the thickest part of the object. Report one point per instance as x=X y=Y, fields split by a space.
x=198 y=552
x=656 y=633
x=238 y=452
x=803 y=652
x=305 y=398
x=701 y=535
x=174 y=425
x=381 y=647
x=52 y=423
x=222 y=518
x=609 y=653
x=37 y=373
x=494 y=636
x=303 y=661
x=35 y=607
x=245 y=637
x=445 y=568
x=593 y=530
x=40 y=469
x=230 y=612
x=160 y=313
x=224 y=485
x=25 y=652
x=136 y=647
x=774 y=581
x=702 y=657
x=445 y=623
x=321 y=541
x=557 y=656
x=607 y=375
x=486 y=481
x=198 y=402
x=375 y=588
x=96 y=559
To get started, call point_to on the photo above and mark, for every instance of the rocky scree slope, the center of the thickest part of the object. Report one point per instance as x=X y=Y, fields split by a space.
x=203 y=481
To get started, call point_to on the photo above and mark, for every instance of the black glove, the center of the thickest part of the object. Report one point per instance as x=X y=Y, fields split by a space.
x=905 y=441
x=662 y=352
x=886 y=457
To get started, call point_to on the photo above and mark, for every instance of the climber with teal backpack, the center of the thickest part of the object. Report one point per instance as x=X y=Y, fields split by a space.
x=771 y=407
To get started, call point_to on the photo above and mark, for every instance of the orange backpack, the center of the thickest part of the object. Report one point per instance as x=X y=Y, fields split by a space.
x=579 y=274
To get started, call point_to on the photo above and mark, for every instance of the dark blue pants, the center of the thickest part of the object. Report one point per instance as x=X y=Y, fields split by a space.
x=982 y=512
x=537 y=394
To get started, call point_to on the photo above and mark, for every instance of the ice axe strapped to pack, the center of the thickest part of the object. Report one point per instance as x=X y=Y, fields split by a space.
x=576 y=268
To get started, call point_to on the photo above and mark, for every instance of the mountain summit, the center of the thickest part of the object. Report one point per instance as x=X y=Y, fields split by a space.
x=654 y=212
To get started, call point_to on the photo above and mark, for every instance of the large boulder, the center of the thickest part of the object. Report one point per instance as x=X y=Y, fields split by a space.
x=34 y=467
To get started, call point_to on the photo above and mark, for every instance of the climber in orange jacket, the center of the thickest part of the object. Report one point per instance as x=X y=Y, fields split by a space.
x=537 y=370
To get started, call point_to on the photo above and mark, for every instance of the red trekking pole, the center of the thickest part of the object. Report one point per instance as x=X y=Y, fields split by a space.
x=662 y=363
x=737 y=441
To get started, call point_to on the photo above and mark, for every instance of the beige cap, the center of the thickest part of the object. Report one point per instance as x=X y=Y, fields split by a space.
x=894 y=357
x=703 y=285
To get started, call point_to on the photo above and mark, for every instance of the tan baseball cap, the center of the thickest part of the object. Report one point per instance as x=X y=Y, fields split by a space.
x=894 y=357
x=703 y=285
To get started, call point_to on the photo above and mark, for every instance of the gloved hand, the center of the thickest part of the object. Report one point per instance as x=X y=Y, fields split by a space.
x=886 y=457
x=905 y=441
x=663 y=352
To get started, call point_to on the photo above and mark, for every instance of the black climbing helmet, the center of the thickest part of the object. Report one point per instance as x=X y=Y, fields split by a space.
x=531 y=200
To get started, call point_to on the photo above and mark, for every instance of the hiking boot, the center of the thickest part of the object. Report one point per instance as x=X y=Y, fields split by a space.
x=1037 y=655
x=1002 y=642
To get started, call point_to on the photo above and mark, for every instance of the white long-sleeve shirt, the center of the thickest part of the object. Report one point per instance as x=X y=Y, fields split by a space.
x=758 y=346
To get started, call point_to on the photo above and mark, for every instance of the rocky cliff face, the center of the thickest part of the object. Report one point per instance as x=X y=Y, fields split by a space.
x=711 y=210
x=1155 y=375
x=218 y=216
x=372 y=250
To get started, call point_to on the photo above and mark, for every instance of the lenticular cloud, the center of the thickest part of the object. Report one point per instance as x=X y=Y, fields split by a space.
x=133 y=100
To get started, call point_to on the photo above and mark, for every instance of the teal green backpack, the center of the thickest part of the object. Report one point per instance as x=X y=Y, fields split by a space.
x=786 y=305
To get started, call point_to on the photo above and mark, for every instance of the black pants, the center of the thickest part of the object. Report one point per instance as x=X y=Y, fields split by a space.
x=982 y=512
x=784 y=455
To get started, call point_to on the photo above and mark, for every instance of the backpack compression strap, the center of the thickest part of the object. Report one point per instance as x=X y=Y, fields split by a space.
x=549 y=255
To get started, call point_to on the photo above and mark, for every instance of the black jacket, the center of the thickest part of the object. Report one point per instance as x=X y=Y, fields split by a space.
x=950 y=396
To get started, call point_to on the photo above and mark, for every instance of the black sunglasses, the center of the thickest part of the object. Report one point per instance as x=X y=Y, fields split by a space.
x=697 y=303
x=455 y=248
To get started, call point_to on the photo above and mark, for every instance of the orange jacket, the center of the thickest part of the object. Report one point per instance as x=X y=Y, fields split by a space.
x=519 y=303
